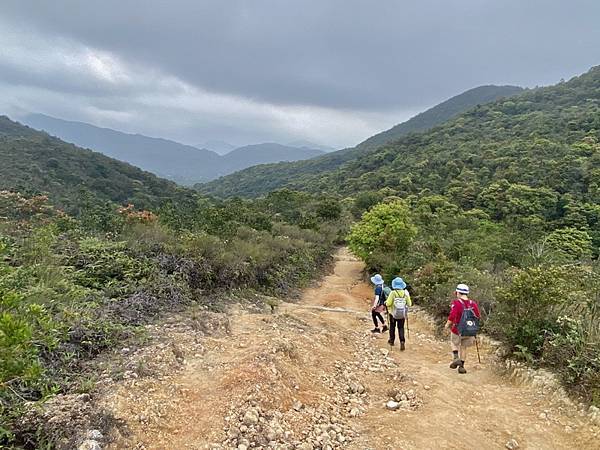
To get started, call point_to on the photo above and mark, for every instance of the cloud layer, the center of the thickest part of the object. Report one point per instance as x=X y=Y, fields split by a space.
x=330 y=71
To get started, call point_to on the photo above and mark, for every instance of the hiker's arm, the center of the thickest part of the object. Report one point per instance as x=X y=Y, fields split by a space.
x=376 y=299
x=452 y=319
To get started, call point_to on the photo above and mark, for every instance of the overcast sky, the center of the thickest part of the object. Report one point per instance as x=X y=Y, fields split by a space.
x=246 y=71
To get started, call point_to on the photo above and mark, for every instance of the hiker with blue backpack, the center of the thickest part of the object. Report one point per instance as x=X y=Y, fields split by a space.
x=463 y=323
x=378 y=307
x=397 y=304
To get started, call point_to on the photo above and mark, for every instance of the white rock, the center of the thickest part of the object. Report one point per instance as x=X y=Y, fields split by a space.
x=94 y=435
x=89 y=444
x=512 y=444
x=251 y=417
x=392 y=405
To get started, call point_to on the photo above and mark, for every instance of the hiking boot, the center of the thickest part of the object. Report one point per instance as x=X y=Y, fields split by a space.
x=375 y=330
x=391 y=342
x=461 y=369
x=385 y=328
x=455 y=363
x=402 y=347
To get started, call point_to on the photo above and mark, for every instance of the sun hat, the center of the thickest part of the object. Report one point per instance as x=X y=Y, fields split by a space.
x=377 y=279
x=398 y=283
x=462 y=288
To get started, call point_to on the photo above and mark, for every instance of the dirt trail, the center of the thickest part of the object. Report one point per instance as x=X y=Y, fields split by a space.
x=312 y=376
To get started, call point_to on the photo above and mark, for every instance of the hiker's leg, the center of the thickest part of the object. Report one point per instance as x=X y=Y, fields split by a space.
x=374 y=317
x=455 y=346
x=401 y=329
x=392 y=329
x=381 y=318
x=464 y=345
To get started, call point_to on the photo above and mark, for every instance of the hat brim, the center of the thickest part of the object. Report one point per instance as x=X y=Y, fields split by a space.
x=399 y=286
x=376 y=280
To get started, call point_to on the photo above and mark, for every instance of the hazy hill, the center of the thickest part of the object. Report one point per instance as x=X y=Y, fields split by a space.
x=33 y=162
x=182 y=163
x=256 y=181
x=251 y=155
x=217 y=146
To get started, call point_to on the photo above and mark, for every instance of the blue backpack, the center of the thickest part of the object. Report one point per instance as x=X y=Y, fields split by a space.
x=469 y=322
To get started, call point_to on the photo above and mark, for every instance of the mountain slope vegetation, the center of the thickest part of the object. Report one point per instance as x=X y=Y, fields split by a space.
x=168 y=159
x=255 y=181
x=32 y=162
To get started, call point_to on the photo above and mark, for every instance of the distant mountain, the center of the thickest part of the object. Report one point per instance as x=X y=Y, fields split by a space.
x=220 y=147
x=168 y=159
x=182 y=163
x=33 y=162
x=308 y=144
x=255 y=181
x=251 y=155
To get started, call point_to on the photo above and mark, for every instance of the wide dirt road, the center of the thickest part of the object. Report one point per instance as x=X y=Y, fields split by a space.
x=312 y=376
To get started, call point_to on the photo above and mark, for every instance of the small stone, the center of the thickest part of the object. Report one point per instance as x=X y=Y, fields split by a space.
x=426 y=387
x=251 y=417
x=242 y=447
x=543 y=416
x=89 y=444
x=384 y=351
x=84 y=398
x=392 y=405
x=94 y=435
x=354 y=412
x=512 y=444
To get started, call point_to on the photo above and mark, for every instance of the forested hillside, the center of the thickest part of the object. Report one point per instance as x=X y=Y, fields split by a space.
x=255 y=181
x=32 y=162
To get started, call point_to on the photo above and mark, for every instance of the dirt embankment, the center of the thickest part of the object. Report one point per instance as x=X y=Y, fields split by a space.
x=311 y=376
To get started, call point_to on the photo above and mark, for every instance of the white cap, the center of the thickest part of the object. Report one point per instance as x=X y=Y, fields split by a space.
x=462 y=289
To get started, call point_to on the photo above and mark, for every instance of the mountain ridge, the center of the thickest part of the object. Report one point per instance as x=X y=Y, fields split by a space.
x=178 y=162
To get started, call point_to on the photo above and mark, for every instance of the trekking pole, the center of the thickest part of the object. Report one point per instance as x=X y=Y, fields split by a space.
x=407 y=327
x=477 y=347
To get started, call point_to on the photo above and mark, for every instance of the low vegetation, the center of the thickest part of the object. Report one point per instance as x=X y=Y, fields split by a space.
x=71 y=288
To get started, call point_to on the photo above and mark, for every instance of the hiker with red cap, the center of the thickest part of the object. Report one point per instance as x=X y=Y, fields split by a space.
x=463 y=323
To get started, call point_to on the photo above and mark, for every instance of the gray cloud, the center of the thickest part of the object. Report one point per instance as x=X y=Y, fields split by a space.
x=327 y=70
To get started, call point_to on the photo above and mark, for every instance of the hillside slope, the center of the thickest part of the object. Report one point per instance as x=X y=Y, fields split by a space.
x=256 y=181
x=33 y=162
x=546 y=138
x=178 y=162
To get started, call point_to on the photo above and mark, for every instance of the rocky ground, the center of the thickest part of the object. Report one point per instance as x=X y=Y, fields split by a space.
x=311 y=376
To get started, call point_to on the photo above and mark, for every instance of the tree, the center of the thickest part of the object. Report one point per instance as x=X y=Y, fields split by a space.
x=386 y=227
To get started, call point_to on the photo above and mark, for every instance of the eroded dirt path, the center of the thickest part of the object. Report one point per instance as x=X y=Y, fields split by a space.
x=312 y=376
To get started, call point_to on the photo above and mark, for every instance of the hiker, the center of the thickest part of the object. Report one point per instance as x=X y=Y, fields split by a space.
x=378 y=304
x=463 y=323
x=397 y=305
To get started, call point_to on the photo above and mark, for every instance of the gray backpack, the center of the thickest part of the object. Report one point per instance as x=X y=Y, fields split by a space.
x=399 y=307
